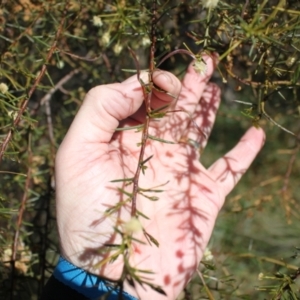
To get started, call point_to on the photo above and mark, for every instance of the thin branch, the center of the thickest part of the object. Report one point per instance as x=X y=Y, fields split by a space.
x=64 y=80
x=46 y=101
x=262 y=84
x=31 y=91
x=274 y=122
x=81 y=57
x=147 y=90
x=244 y=8
x=290 y=168
x=209 y=294
x=20 y=216
x=284 y=189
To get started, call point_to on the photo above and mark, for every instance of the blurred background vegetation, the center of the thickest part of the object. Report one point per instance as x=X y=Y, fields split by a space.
x=52 y=52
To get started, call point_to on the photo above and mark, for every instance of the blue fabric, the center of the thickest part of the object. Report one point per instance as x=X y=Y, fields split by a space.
x=85 y=283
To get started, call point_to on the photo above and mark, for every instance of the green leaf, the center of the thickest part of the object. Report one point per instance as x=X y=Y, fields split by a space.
x=123 y=180
x=160 y=109
x=158 y=289
x=139 y=213
x=152 y=198
x=125 y=192
x=139 y=127
x=296 y=74
x=146 y=160
x=151 y=238
x=151 y=137
x=157 y=115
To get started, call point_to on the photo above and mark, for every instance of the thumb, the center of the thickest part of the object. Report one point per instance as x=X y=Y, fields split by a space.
x=105 y=105
x=102 y=109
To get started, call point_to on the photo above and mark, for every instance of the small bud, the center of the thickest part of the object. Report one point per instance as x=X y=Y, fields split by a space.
x=118 y=48
x=207 y=256
x=146 y=41
x=290 y=61
x=133 y=225
x=200 y=66
x=13 y=114
x=260 y=276
x=210 y=3
x=97 y=21
x=3 y=88
x=60 y=64
x=105 y=38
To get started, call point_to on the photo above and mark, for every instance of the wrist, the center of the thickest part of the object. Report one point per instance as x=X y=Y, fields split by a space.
x=87 y=284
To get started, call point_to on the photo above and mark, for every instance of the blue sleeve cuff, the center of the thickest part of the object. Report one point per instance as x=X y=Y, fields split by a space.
x=85 y=283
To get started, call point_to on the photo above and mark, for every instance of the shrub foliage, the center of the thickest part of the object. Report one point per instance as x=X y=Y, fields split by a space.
x=52 y=52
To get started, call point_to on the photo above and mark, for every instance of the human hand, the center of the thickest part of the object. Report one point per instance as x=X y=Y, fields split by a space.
x=93 y=154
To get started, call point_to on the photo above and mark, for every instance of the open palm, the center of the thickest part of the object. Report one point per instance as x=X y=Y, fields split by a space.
x=93 y=154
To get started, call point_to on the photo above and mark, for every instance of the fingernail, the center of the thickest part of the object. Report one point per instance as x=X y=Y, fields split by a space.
x=163 y=76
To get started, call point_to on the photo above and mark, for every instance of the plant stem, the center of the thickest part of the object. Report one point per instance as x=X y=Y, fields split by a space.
x=33 y=88
x=147 y=90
